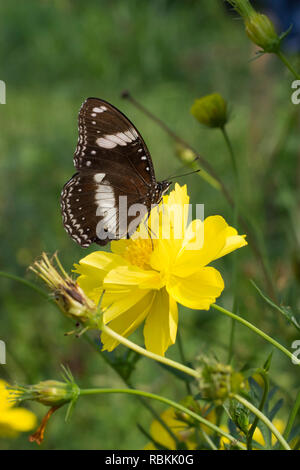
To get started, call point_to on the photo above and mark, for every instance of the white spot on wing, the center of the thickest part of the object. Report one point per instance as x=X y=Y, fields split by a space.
x=106 y=144
x=98 y=177
x=115 y=138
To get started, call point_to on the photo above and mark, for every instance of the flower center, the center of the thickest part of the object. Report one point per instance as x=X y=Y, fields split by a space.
x=138 y=253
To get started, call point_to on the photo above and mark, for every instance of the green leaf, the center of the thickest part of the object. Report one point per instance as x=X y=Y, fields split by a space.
x=267 y=364
x=285 y=311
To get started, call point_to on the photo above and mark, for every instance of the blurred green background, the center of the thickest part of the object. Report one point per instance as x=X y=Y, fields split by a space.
x=54 y=54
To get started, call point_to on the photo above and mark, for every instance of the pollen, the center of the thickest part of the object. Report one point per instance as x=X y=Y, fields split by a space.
x=139 y=252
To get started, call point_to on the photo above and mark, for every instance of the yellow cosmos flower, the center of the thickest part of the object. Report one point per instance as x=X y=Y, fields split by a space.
x=144 y=278
x=258 y=437
x=13 y=420
x=180 y=429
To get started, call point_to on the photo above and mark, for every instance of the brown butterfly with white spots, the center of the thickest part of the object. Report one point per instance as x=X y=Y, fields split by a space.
x=112 y=160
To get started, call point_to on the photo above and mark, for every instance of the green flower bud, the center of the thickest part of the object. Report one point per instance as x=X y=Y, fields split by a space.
x=239 y=415
x=211 y=110
x=218 y=381
x=48 y=392
x=185 y=154
x=261 y=31
x=259 y=28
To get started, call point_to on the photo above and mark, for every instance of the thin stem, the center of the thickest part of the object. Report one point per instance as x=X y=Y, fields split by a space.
x=208 y=440
x=25 y=282
x=231 y=153
x=129 y=385
x=166 y=401
x=251 y=431
x=235 y=222
x=164 y=360
x=255 y=329
x=292 y=417
x=286 y=62
x=183 y=359
x=263 y=418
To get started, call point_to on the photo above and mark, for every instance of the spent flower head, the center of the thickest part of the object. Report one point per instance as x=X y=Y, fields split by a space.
x=217 y=381
x=211 y=111
x=68 y=295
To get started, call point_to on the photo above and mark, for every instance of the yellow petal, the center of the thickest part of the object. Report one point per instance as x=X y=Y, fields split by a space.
x=128 y=322
x=205 y=242
x=160 y=433
x=133 y=276
x=233 y=242
x=119 y=299
x=161 y=324
x=18 y=419
x=4 y=397
x=198 y=291
x=93 y=268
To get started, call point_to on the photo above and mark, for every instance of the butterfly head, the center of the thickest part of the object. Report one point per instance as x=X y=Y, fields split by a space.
x=162 y=187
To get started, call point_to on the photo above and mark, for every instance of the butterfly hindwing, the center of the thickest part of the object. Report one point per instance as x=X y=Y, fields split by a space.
x=91 y=207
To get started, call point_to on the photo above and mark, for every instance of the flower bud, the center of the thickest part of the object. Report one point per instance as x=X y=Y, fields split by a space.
x=261 y=31
x=185 y=154
x=69 y=297
x=259 y=28
x=239 y=415
x=211 y=111
x=48 y=392
x=217 y=381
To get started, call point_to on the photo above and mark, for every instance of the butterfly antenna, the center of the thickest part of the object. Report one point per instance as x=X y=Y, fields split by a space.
x=185 y=174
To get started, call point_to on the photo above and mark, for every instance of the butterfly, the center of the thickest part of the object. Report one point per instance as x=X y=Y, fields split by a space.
x=115 y=184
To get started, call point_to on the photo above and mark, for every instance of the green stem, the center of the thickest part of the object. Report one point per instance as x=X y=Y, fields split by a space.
x=251 y=431
x=235 y=223
x=255 y=329
x=208 y=440
x=164 y=360
x=129 y=385
x=263 y=418
x=25 y=282
x=292 y=417
x=166 y=401
x=286 y=62
x=231 y=153
x=183 y=359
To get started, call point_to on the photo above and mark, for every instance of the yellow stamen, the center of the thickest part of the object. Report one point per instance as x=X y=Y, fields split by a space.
x=138 y=253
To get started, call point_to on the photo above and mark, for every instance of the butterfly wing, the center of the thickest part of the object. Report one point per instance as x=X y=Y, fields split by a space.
x=95 y=207
x=112 y=161
x=106 y=134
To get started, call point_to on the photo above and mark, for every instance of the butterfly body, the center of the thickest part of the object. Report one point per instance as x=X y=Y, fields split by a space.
x=115 y=184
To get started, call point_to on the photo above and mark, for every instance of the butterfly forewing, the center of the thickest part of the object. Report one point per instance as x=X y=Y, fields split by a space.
x=106 y=134
x=115 y=171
